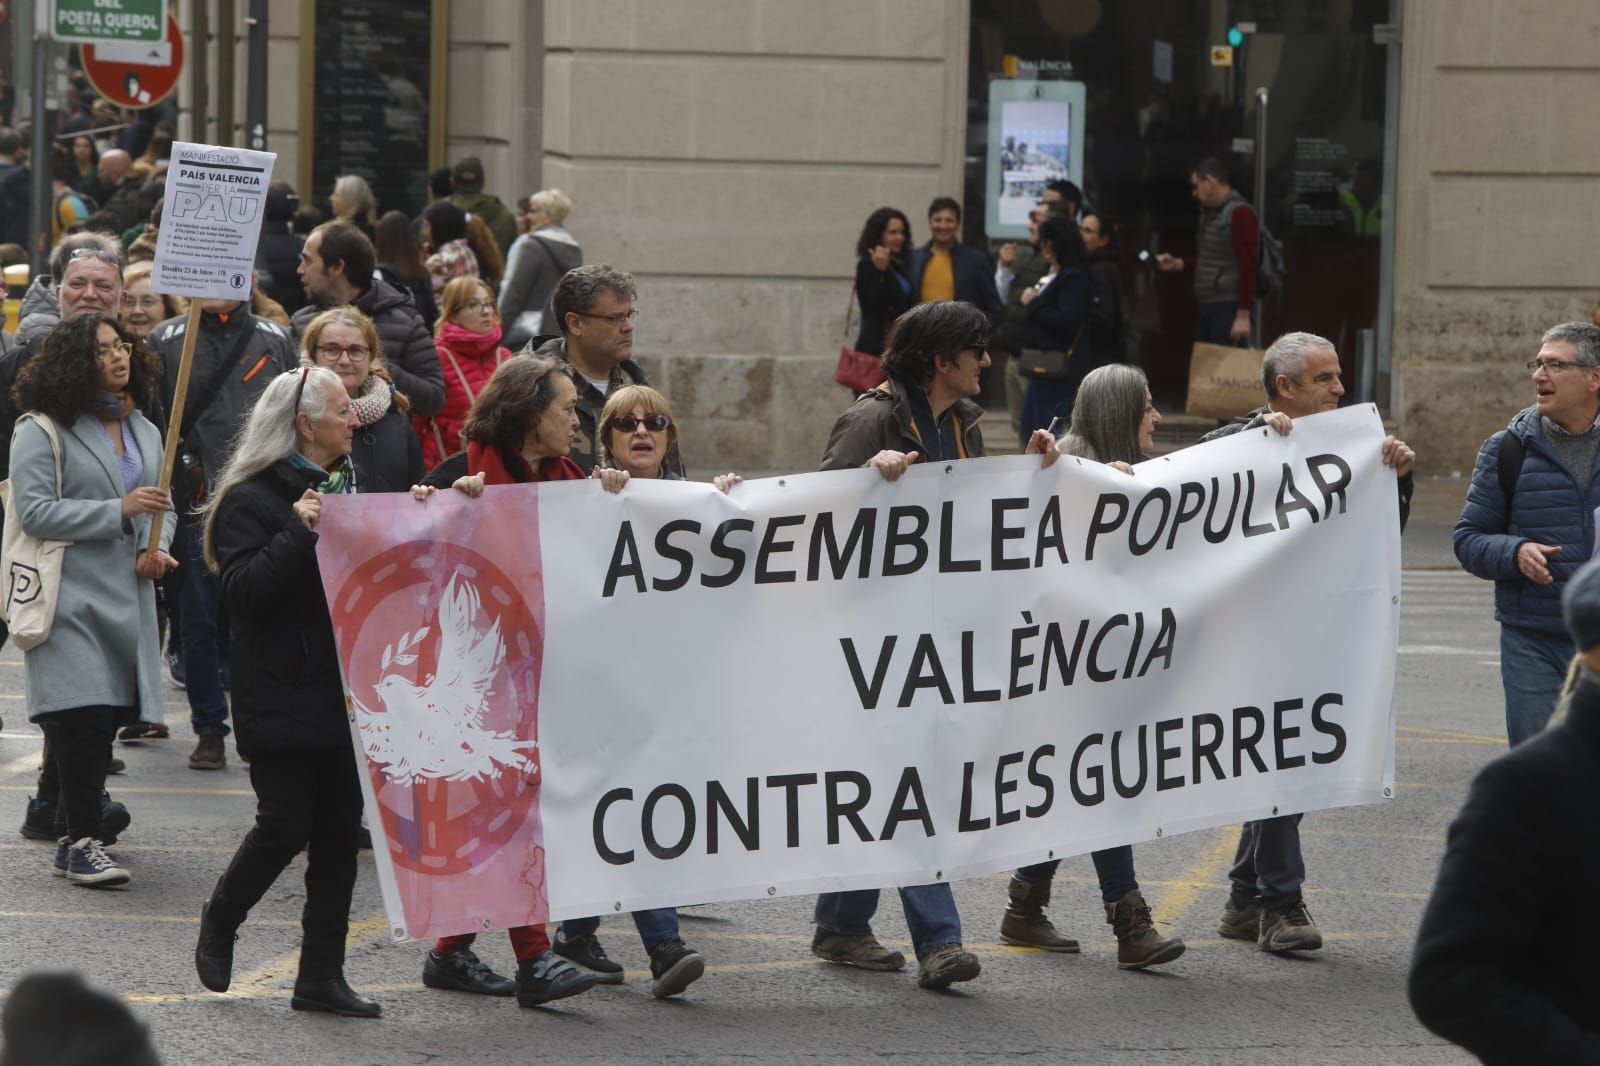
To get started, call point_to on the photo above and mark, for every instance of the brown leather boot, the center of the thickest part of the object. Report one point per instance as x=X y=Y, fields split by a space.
x=1025 y=923
x=1138 y=943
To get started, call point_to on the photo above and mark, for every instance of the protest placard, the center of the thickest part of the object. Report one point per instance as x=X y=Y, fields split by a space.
x=211 y=221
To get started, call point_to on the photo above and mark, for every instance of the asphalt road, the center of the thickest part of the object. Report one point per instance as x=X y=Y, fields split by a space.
x=764 y=999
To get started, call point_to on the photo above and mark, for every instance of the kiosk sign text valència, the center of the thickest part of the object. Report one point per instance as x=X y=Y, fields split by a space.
x=102 y=21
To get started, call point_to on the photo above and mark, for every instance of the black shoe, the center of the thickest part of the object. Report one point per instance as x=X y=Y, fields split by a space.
x=547 y=978
x=332 y=996
x=586 y=952
x=213 y=952
x=39 y=823
x=145 y=731
x=674 y=966
x=462 y=971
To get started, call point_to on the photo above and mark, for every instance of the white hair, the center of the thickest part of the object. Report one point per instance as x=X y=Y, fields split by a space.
x=268 y=436
x=554 y=203
x=1287 y=356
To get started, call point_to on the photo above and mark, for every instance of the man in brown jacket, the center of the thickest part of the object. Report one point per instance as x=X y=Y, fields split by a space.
x=924 y=412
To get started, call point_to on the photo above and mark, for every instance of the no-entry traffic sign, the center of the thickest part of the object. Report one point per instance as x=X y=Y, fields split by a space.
x=107 y=20
x=136 y=75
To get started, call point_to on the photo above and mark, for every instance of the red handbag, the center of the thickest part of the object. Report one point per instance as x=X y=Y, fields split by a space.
x=858 y=371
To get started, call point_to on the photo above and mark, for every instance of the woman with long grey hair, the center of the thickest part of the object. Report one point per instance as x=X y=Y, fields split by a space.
x=1113 y=418
x=1112 y=422
x=260 y=525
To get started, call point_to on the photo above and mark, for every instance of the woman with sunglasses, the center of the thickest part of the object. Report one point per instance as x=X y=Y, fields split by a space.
x=468 y=339
x=84 y=467
x=636 y=433
x=385 y=453
x=260 y=535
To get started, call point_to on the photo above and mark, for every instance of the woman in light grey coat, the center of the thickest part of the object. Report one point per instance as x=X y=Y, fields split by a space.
x=534 y=263
x=100 y=667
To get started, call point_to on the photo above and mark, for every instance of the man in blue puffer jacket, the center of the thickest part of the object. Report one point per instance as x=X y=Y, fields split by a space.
x=1528 y=524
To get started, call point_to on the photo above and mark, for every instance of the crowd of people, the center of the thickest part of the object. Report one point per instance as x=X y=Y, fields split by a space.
x=466 y=348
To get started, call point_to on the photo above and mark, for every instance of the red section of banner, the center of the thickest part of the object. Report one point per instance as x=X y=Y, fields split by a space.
x=442 y=650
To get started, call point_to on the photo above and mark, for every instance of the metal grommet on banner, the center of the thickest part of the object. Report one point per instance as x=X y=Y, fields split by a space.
x=1052 y=853
x=1158 y=830
x=487 y=925
x=1394 y=599
x=781 y=483
x=938 y=875
x=772 y=890
x=1274 y=812
x=399 y=932
x=617 y=906
x=1389 y=792
x=949 y=468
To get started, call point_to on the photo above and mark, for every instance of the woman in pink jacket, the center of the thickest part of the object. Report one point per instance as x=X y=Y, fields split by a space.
x=468 y=339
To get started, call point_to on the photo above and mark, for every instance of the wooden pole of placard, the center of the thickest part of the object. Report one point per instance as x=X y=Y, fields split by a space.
x=175 y=416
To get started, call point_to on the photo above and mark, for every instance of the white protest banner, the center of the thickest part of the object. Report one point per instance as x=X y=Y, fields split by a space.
x=829 y=681
x=211 y=221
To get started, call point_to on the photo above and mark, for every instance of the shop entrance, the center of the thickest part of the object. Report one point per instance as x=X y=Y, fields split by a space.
x=1159 y=100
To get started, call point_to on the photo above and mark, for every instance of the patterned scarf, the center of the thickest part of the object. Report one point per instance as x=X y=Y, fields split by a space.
x=374 y=400
x=112 y=405
x=341 y=481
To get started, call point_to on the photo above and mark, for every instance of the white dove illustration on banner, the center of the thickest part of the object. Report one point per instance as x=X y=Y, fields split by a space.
x=435 y=730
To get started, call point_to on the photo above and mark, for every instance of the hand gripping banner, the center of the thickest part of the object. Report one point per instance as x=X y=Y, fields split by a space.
x=570 y=702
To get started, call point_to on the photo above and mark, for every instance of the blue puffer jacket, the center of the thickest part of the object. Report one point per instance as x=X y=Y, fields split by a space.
x=1549 y=507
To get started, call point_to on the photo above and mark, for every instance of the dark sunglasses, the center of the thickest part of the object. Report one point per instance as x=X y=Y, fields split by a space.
x=654 y=423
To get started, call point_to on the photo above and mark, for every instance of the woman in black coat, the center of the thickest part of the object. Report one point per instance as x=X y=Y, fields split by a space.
x=385 y=452
x=288 y=699
x=1057 y=310
x=882 y=287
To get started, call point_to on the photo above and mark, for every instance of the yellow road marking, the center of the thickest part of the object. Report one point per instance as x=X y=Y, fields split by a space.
x=1451 y=735
x=1177 y=896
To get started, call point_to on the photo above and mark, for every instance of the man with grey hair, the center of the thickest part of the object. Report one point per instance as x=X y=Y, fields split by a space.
x=1300 y=372
x=1528 y=521
x=593 y=309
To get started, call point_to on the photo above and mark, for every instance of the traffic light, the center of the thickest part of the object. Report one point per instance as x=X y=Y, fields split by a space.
x=1235 y=36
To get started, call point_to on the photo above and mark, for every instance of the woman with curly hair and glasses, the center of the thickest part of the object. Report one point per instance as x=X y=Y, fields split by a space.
x=84 y=467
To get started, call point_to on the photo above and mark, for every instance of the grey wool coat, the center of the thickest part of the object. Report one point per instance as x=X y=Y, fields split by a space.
x=103 y=648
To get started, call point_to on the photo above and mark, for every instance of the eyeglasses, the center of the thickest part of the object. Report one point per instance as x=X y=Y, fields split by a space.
x=344 y=353
x=654 y=423
x=111 y=351
x=1550 y=366
x=95 y=253
x=143 y=303
x=616 y=319
x=479 y=305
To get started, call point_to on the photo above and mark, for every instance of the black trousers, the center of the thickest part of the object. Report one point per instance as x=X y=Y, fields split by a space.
x=304 y=800
x=78 y=750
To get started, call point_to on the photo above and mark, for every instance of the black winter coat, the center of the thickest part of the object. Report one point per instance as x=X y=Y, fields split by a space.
x=287 y=692
x=884 y=295
x=387 y=455
x=278 y=259
x=1500 y=966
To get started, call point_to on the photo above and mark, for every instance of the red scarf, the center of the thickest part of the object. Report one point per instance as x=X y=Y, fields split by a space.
x=464 y=341
x=490 y=461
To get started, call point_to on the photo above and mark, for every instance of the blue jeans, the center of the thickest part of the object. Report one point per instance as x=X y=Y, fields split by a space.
x=1532 y=668
x=1215 y=321
x=202 y=652
x=1114 y=866
x=930 y=910
x=654 y=926
x=1268 y=864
